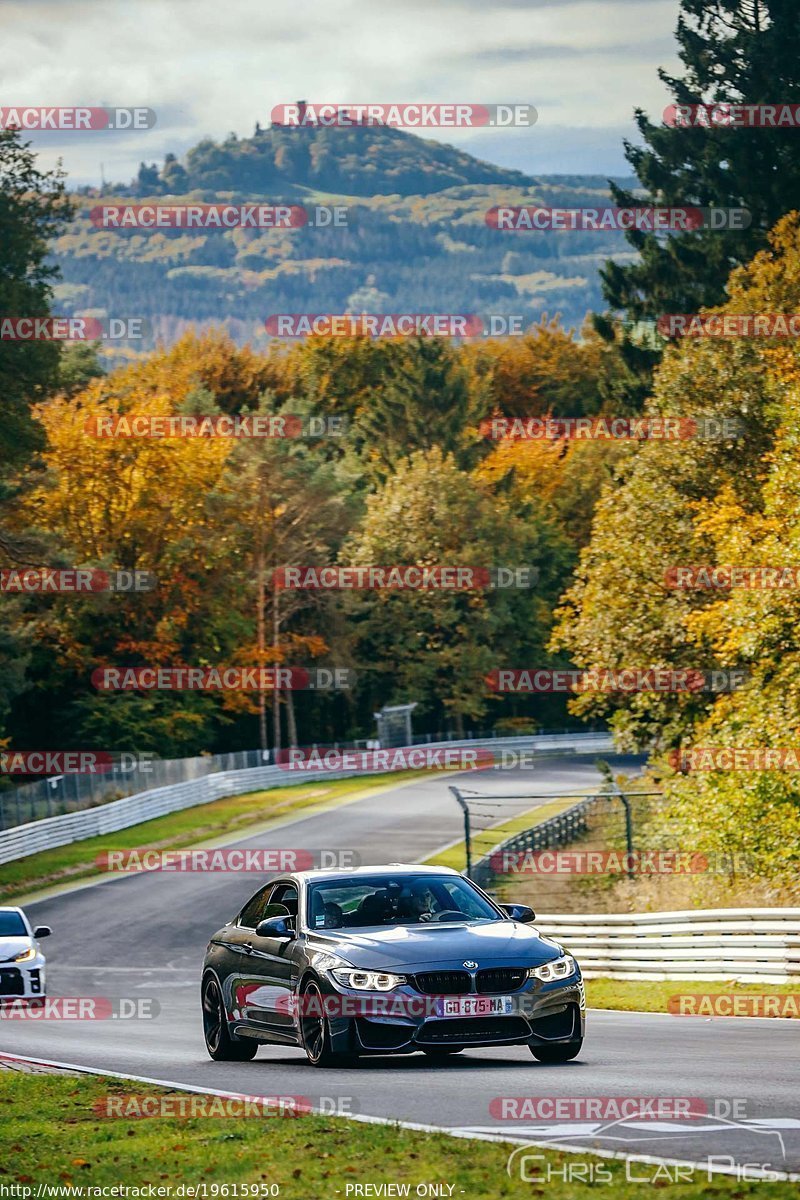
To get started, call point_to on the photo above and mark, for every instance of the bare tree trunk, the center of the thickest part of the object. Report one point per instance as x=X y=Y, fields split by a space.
x=291 y=724
x=276 y=720
x=260 y=567
x=276 y=694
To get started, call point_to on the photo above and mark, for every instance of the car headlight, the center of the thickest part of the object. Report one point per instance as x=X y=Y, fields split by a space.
x=367 y=981
x=25 y=955
x=559 y=968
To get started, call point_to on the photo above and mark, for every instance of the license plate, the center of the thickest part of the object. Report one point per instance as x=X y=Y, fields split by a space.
x=474 y=1006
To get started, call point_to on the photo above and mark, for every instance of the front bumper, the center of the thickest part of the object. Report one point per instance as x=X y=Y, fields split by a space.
x=543 y=1014
x=22 y=979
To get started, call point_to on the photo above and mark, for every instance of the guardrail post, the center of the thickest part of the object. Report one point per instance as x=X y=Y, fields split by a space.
x=467 y=832
x=628 y=832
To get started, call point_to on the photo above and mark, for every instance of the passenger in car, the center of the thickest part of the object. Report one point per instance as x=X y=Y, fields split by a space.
x=374 y=909
x=333 y=916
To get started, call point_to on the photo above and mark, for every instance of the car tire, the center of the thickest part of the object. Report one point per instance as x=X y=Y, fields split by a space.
x=219 y=1043
x=557 y=1054
x=315 y=1032
x=441 y=1051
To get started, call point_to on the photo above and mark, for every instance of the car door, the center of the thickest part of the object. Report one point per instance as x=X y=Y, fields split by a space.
x=235 y=943
x=268 y=969
x=240 y=931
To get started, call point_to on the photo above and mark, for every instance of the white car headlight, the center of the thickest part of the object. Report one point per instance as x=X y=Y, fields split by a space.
x=559 y=968
x=25 y=955
x=367 y=981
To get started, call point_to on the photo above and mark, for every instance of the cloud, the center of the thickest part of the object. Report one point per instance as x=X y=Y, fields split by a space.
x=208 y=68
x=532 y=5
x=537 y=51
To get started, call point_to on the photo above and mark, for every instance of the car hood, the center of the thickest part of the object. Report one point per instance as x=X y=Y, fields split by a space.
x=441 y=947
x=10 y=947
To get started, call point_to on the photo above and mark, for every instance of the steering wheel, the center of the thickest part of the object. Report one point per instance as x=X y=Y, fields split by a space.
x=449 y=913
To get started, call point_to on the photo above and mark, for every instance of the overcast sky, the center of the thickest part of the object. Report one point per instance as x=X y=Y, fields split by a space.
x=211 y=66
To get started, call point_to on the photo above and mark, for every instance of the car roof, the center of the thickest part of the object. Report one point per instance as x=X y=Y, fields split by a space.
x=11 y=908
x=388 y=869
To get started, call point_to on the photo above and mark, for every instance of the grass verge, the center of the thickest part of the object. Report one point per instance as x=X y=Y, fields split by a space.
x=645 y=995
x=455 y=856
x=51 y=1134
x=190 y=826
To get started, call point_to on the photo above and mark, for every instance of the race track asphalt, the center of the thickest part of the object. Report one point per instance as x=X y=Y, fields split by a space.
x=143 y=936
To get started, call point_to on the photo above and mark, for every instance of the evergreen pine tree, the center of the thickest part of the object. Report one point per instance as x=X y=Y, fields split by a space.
x=733 y=51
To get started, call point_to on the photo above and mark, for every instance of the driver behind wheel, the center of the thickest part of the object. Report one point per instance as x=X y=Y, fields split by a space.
x=416 y=904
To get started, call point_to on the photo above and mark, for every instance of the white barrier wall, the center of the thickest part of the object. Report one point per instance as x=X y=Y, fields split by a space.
x=22 y=840
x=759 y=945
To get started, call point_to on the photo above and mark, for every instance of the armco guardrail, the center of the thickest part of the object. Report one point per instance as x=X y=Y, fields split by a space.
x=132 y=773
x=758 y=945
x=51 y=832
x=555 y=831
x=56 y=795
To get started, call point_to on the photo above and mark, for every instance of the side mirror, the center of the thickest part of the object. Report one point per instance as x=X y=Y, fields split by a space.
x=276 y=922
x=275 y=927
x=42 y=931
x=519 y=912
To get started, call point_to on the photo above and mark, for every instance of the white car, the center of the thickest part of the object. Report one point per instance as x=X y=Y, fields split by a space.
x=22 y=964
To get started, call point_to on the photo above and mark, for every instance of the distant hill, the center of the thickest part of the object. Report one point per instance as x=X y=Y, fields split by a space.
x=358 y=161
x=416 y=238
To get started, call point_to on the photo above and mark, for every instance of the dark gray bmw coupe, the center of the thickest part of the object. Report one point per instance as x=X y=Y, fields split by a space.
x=387 y=960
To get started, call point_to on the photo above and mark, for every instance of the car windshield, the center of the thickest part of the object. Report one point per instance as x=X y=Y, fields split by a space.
x=12 y=925
x=395 y=900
